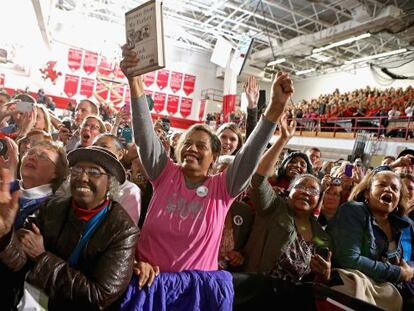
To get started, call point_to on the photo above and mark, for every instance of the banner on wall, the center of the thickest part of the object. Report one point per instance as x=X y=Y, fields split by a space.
x=90 y=62
x=185 y=106
x=189 y=84
x=101 y=91
x=149 y=78
x=105 y=67
x=202 y=108
x=117 y=94
x=176 y=81
x=74 y=59
x=2 y=79
x=162 y=78
x=159 y=101
x=118 y=72
x=71 y=85
x=172 y=103
x=86 y=87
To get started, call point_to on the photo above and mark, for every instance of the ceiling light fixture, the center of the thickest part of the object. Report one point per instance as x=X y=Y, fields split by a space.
x=302 y=72
x=363 y=59
x=276 y=61
x=343 y=42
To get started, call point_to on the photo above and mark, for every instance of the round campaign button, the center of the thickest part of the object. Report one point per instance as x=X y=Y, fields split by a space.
x=238 y=220
x=202 y=191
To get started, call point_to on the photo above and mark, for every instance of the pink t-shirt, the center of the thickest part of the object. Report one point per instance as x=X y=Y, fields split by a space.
x=183 y=228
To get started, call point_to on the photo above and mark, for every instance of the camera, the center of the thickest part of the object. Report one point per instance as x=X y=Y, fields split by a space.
x=3 y=147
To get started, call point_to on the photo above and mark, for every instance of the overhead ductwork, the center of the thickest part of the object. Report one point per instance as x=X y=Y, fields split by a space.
x=363 y=22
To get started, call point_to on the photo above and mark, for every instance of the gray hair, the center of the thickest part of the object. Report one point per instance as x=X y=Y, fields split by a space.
x=114 y=192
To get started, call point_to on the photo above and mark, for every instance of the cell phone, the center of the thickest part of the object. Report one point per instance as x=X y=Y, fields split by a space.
x=126 y=134
x=24 y=106
x=29 y=221
x=67 y=124
x=323 y=252
x=348 y=170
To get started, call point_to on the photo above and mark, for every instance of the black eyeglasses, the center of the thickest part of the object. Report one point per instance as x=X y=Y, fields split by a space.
x=93 y=172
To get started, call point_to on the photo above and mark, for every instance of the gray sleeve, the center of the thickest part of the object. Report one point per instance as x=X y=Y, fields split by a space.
x=152 y=154
x=264 y=198
x=246 y=161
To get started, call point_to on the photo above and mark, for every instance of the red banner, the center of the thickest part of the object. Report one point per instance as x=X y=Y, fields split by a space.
x=86 y=88
x=101 y=91
x=74 y=59
x=162 y=78
x=202 y=108
x=105 y=67
x=176 y=80
x=189 y=84
x=71 y=85
x=149 y=78
x=159 y=101
x=90 y=61
x=117 y=94
x=229 y=105
x=172 y=103
x=118 y=72
x=185 y=107
x=2 y=78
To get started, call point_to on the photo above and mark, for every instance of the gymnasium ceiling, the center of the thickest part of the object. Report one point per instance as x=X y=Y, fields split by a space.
x=289 y=29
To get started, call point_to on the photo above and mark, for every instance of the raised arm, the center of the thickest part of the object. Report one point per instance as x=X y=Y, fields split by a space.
x=152 y=154
x=246 y=160
x=252 y=93
x=267 y=163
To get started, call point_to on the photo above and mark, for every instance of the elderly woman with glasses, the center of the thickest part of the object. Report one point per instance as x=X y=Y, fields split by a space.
x=367 y=230
x=285 y=234
x=80 y=249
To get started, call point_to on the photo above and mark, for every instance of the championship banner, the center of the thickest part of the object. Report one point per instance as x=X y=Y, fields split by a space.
x=118 y=72
x=176 y=81
x=105 y=67
x=71 y=85
x=86 y=87
x=185 y=107
x=202 y=108
x=117 y=94
x=172 y=103
x=74 y=59
x=162 y=78
x=159 y=101
x=101 y=91
x=189 y=84
x=2 y=78
x=149 y=78
x=90 y=61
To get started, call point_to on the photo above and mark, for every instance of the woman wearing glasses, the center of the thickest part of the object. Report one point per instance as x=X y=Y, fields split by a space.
x=90 y=128
x=366 y=231
x=80 y=249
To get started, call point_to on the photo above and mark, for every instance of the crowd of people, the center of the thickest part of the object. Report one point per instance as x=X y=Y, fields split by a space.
x=128 y=215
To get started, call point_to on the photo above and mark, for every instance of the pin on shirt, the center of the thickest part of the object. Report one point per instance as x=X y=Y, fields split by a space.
x=202 y=191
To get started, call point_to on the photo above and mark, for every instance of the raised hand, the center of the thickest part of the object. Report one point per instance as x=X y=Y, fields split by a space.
x=252 y=92
x=11 y=159
x=8 y=203
x=287 y=129
x=282 y=89
x=129 y=60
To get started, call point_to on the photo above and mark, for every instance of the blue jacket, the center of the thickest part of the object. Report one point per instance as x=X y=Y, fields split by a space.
x=360 y=244
x=187 y=290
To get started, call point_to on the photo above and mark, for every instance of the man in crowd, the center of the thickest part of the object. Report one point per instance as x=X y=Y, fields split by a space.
x=314 y=155
x=84 y=108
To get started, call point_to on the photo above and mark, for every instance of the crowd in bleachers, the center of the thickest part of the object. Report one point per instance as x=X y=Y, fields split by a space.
x=108 y=209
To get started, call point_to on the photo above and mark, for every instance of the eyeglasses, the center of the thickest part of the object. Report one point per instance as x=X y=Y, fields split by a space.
x=92 y=127
x=311 y=191
x=39 y=155
x=93 y=172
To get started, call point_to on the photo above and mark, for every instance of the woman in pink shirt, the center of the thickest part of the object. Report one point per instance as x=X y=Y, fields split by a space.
x=184 y=223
